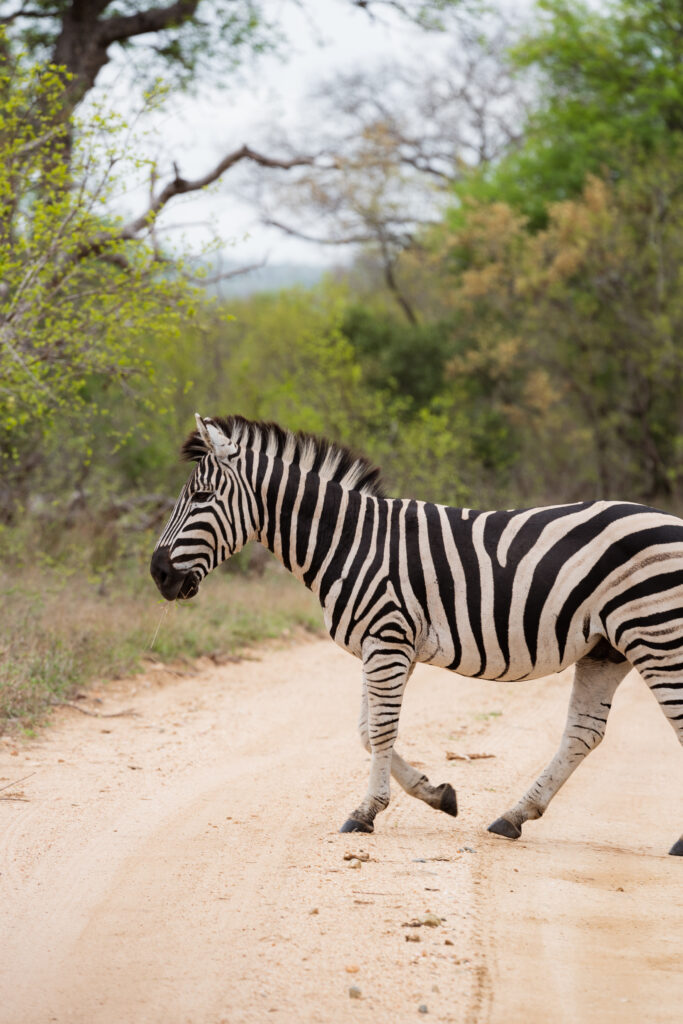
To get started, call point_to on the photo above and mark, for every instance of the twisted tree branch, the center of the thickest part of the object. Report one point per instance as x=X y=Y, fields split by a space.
x=179 y=186
x=122 y=26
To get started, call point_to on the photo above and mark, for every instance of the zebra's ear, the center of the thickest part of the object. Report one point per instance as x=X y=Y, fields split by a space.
x=215 y=440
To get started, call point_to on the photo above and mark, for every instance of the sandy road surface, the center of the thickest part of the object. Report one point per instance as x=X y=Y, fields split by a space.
x=183 y=866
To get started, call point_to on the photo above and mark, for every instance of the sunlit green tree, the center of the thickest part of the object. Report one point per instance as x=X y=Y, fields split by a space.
x=609 y=94
x=80 y=298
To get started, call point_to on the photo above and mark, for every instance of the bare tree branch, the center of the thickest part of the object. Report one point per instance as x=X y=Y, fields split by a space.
x=295 y=233
x=120 y=27
x=24 y=12
x=389 y=248
x=401 y=136
x=180 y=186
x=226 y=275
x=106 y=245
x=38 y=143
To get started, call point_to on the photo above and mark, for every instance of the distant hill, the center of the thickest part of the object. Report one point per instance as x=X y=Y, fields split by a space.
x=272 y=277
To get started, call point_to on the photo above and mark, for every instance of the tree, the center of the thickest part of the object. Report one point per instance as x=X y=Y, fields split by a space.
x=288 y=357
x=386 y=348
x=579 y=324
x=79 y=293
x=394 y=142
x=179 y=43
x=172 y=40
x=609 y=94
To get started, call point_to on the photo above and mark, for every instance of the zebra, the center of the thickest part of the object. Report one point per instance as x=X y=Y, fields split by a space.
x=499 y=595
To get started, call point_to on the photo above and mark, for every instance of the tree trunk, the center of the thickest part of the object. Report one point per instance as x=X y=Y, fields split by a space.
x=79 y=48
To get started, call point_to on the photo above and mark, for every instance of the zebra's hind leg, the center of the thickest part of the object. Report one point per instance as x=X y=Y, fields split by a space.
x=387 y=665
x=668 y=689
x=441 y=798
x=595 y=682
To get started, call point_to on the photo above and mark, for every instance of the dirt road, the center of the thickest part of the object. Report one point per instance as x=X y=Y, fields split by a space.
x=182 y=866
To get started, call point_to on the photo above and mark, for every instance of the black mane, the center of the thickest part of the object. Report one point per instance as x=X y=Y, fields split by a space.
x=313 y=454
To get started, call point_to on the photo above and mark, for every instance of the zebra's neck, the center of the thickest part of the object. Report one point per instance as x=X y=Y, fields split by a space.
x=307 y=522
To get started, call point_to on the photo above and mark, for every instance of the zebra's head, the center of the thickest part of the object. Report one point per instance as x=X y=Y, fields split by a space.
x=212 y=518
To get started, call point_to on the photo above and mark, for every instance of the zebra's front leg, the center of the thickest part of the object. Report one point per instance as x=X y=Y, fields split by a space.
x=441 y=798
x=595 y=683
x=386 y=669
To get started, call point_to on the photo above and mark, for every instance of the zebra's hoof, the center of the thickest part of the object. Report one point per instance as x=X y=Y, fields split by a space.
x=353 y=825
x=503 y=827
x=448 y=802
x=677 y=849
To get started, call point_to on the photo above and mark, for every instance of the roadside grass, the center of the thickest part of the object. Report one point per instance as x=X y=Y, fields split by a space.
x=62 y=627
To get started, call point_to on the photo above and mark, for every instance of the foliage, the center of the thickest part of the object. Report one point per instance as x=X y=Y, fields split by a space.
x=287 y=357
x=610 y=93
x=386 y=349
x=568 y=332
x=579 y=325
x=78 y=301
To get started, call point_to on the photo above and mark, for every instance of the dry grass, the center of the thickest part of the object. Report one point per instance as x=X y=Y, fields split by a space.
x=61 y=629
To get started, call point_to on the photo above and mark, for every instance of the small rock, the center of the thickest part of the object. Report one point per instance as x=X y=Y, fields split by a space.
x=428 y=919
x=362 y=855
x=352 y=969
x=355 y=992
x=422 y=1008
x=314 y=911
x=354 y=863
x=412 y=937
x=448 y=942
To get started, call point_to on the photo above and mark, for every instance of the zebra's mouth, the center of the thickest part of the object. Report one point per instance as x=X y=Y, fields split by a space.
x=189 y=587
x=173 y=583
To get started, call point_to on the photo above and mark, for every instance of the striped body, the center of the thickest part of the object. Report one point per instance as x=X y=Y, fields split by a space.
x=501 y=595
x=505 y=595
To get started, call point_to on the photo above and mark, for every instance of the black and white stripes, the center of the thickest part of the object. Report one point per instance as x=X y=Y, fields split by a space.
x=505 y=595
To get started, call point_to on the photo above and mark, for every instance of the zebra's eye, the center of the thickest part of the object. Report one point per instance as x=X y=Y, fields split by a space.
x=199 y=497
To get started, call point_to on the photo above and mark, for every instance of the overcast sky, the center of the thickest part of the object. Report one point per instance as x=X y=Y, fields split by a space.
x=198 y=131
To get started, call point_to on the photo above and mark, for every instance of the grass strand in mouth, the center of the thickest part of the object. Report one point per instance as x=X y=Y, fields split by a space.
x=164 y=613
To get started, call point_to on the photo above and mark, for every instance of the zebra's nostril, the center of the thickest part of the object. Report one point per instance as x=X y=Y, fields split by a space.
x=161 y=567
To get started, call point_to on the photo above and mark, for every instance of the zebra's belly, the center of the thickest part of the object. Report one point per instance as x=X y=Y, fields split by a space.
x=486 y=658
x=472 y=652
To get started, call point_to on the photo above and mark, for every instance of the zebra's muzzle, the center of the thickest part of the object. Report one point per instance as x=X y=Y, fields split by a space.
x=172 y=583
